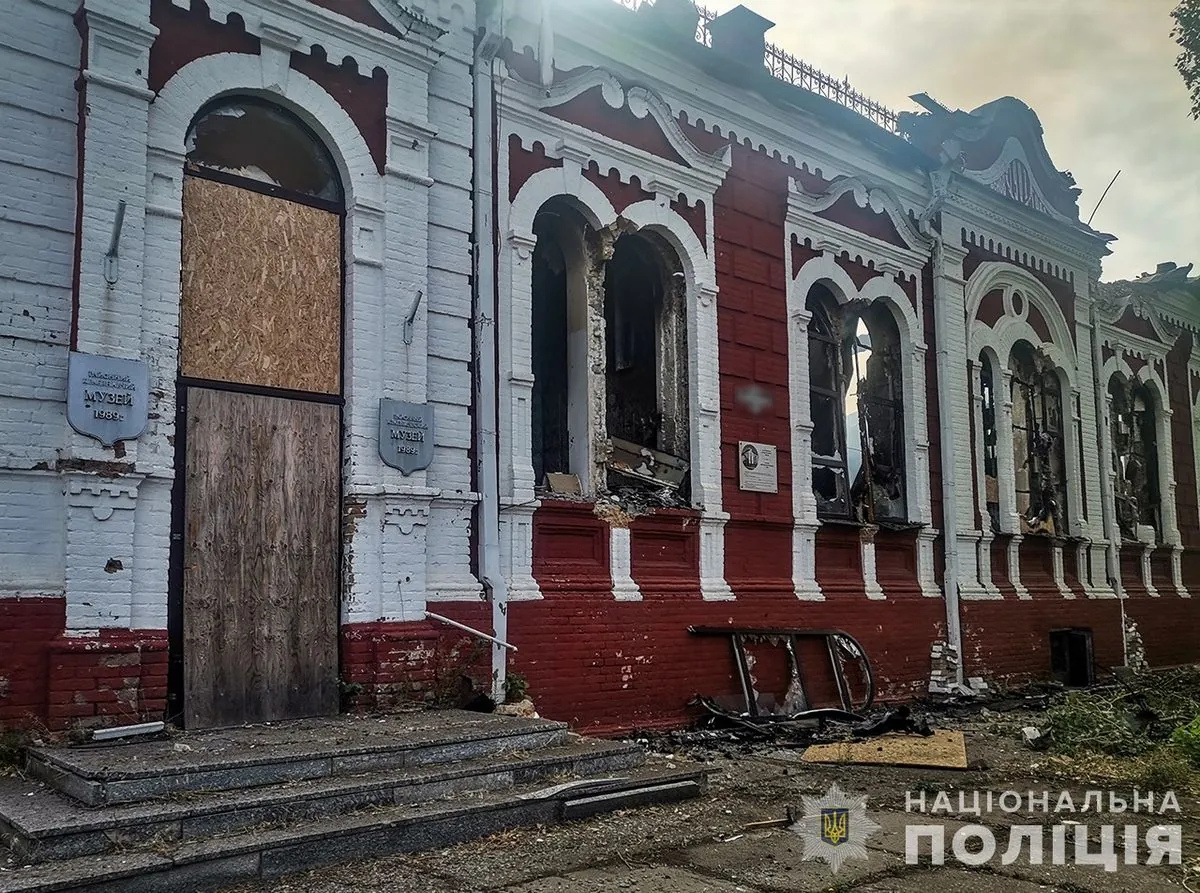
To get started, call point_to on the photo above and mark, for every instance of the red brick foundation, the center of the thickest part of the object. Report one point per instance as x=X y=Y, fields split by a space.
x=48 y=679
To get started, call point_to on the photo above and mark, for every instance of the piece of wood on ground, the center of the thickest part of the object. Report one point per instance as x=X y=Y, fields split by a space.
x=941 y=750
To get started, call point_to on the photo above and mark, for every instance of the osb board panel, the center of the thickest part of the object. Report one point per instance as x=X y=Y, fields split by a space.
x=941 y=750
x=260 y=586
x=261 y=290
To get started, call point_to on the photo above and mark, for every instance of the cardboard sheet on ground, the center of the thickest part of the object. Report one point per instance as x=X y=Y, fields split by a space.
x=941 y=750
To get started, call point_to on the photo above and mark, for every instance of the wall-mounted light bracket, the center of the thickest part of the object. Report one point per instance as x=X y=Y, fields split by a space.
x=408 y=320
x=112 y=262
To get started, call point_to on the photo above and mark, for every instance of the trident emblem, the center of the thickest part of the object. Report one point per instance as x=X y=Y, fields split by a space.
x=835 y=826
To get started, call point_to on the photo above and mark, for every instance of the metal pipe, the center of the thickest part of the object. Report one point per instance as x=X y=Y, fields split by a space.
x=470 y=629
x=1112 y=558
x=487 y=45
x=943 y=318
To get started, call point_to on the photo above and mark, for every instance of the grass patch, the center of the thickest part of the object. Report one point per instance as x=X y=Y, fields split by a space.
x=12 y=751
x=1143 y=731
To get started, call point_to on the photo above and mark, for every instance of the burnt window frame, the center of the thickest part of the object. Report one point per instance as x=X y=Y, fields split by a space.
x=324 y=159
x=1035 y=387
x=822 y=330
x=1142 y=433
x=990 y=439
x=833 y=329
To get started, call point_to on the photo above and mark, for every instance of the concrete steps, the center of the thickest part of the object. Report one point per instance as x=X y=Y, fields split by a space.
x=254 y=756
x=263 y=801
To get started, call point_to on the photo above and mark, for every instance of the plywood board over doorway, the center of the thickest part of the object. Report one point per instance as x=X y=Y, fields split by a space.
x=261 y=290
x=260 y=582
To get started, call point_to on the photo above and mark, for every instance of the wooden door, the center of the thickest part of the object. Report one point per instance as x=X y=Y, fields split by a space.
x=258 y=506
x=260 y=568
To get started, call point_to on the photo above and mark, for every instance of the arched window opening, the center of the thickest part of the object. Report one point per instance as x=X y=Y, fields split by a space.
x=991 y=456
x=249 y=139
x=856 y=382
x=646 y=376
x=827 y=401
x=550 y=401
x=1135 y=460
x=1038 y=454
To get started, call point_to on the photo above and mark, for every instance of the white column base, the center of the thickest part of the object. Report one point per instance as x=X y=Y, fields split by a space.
x=713 y=587
x=804 y=562
x=620 y=564
x=516 y=551
x=870 y=571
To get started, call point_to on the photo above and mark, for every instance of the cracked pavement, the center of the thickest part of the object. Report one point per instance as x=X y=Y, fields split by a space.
x=702 y=845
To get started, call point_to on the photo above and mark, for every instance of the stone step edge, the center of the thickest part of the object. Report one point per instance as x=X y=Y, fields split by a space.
x=51 y=756
x=126 y=815
x=255 y=856
x=145 y=787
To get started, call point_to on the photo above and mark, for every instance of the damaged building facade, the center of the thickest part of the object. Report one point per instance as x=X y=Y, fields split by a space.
x=575 y=324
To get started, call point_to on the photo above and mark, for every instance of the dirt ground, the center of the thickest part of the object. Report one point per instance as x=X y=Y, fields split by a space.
x=703 y=844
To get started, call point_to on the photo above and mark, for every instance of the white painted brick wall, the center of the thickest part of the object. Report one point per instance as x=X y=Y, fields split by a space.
x=39 y=58
x=40 y=522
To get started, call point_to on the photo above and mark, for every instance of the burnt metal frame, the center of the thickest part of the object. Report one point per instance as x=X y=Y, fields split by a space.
x=833 y=639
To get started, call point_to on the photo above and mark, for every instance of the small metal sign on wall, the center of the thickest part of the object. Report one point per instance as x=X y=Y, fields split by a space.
x=108 y=398
x=758 y=467
x=405 y=434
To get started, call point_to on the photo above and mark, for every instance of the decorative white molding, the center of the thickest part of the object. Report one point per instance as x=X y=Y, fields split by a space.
x=837 y=238
x=825 y=269
x=877 y=199
x=1012 y=176
x=524 y=112
x=620 y=561
x=642 y=102
x=337 y=34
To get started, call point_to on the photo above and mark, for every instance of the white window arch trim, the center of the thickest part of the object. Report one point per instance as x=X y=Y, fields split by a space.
x=1118 y=366
x=997 y=342
x=825 y=270
x=516 y=380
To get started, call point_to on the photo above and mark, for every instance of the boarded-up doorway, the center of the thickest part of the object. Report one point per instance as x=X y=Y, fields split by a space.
x=259 y=426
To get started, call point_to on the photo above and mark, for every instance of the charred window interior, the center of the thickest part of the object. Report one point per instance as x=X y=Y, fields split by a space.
x=1135 y=458
x=549 y=410
x=646 y=376
x=1038 y=457
x=991 y=463
x=253 y=139
x=855 y=382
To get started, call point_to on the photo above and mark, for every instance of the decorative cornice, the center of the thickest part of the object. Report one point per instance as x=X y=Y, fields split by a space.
x=836 y=238
x=339 y=35
x=876 y=198
x=1011 y=176
x=1017 y=224
x=642 y=102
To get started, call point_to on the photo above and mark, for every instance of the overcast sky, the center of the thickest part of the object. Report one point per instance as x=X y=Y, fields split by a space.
x=1099 y=73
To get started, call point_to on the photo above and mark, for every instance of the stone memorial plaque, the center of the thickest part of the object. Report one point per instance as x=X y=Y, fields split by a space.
x=405 y=434
x=758 y=467
x=108 y=398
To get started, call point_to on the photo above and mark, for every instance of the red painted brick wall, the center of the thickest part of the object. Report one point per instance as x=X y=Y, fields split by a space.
x=1008 y=641
x=119 y=678
x=27 y=626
